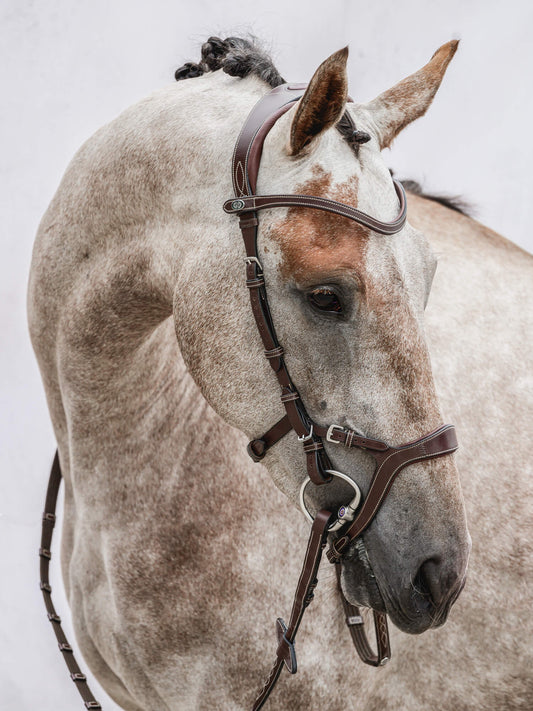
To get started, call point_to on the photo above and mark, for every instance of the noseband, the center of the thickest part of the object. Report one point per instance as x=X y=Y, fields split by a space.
x=389 y=460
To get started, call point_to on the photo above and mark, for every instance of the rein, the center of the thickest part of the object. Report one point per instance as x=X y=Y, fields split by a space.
x=389 y=460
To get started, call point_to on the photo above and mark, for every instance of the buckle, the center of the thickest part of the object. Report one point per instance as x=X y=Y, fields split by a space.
x=249 y=260
x=330 y=431
x=306 y=437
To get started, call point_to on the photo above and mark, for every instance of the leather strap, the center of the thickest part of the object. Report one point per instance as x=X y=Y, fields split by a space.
x=251 y=204
x=307 y=582
x=45 y=554
x=257 y=448
x=259 y=122
x=356 y=625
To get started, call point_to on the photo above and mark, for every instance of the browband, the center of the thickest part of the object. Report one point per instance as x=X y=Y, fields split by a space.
x=247 y=155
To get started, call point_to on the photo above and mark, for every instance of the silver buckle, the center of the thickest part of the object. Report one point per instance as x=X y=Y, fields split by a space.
x=249 y=260
x=330 y=432
x=307 y=437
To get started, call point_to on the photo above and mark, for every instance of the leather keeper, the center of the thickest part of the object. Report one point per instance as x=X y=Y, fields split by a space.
x=285 y=649
x=289 y=396
x=255 y=283
x=313 y=447
x=334 y=553
x=274 y=352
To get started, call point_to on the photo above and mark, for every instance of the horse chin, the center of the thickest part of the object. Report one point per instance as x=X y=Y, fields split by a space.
x=362 y=588
x=359 y=583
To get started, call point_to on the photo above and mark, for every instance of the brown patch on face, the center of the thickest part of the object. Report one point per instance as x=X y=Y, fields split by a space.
x=316 y=243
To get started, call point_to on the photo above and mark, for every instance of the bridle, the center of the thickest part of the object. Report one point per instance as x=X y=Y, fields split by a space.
x=389 y=460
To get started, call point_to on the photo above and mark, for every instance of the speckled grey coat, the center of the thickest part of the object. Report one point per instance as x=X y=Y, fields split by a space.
x=178 y=553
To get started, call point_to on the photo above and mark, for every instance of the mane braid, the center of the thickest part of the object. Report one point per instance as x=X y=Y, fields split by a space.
x=236 y=56
x=240 y=57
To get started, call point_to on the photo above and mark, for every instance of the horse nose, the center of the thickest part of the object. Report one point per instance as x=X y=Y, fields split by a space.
x=435 y=587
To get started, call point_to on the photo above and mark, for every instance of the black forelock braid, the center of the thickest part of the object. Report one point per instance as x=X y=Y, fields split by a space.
x=237 y=57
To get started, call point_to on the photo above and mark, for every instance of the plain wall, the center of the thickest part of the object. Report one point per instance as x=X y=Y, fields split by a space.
x=69 y=67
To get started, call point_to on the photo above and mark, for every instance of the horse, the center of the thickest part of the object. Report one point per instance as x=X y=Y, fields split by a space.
x=177 y=550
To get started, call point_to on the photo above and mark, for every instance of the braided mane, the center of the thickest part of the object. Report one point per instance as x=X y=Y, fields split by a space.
x=240 y=57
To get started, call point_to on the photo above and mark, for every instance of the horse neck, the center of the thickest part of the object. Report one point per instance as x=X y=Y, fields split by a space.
x=139 y=205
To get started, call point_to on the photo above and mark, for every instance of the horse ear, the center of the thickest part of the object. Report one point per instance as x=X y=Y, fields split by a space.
x=396 y=108
x=323 y=103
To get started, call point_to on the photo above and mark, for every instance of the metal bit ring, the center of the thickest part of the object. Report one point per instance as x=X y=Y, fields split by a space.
x=345 y=513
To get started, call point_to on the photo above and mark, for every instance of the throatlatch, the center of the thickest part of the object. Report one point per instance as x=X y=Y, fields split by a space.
x=389 y=460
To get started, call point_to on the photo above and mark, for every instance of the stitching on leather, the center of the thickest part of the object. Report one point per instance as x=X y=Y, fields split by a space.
x=393 y=474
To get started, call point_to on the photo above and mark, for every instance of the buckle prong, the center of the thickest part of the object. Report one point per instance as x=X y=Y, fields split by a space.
x=249 y=260
x=307 y=437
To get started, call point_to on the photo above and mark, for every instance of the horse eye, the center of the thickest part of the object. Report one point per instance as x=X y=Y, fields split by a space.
x=325 y=299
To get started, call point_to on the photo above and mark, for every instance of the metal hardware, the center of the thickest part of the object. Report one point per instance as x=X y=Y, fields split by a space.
x=384 y=661
x=330 y=432
x=76 y=676
x=354 y=620
x=249 y=260
x=307 y=437
x=345 y=513
x=237 y=204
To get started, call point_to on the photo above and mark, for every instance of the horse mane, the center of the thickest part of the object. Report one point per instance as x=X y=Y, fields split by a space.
x=236 y=56
x=453 y=202
x=241 y=57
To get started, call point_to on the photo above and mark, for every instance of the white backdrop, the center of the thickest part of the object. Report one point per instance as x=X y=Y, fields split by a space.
x=68 y=67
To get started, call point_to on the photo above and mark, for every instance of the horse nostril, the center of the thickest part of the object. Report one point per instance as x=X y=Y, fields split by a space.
x=428 y=583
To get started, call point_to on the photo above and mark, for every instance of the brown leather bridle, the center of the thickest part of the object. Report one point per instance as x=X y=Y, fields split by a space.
x=389 y=460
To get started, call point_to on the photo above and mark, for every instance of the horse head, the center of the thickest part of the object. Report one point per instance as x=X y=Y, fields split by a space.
x=348 y=307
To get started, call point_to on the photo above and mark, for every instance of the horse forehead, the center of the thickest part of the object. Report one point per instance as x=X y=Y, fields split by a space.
x=315 y=242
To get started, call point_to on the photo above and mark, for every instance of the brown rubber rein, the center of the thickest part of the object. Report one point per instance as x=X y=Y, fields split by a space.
x=389 y=460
